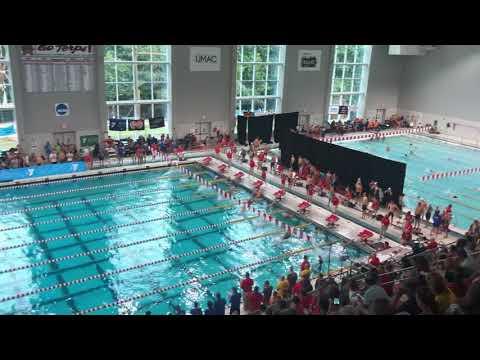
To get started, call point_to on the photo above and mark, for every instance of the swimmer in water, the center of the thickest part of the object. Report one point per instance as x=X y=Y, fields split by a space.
x=388 y=148
x=286 y=235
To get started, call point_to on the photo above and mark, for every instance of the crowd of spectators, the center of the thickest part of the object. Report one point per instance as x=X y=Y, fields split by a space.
x=58 y=153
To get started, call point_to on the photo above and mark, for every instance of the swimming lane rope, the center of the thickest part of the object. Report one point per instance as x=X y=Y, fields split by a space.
x=105 y=229
x=135 y=267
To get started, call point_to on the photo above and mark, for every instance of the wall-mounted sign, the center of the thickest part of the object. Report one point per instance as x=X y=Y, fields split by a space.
x=88 y=140
x=62 y=109
x=343 y=110
x=309 y=60
x=205 y=58
x=333 y=110
x=58 y=53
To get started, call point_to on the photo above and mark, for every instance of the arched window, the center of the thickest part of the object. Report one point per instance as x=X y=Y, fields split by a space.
x=8 y=133
x=138 y=84
x=349 y=80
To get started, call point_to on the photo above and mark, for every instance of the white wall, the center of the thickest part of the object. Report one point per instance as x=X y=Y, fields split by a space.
x=444 y=85
x=384 y=81
x=201 y=93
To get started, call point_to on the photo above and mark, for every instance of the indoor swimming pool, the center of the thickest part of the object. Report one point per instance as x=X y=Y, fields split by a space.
x=142 y=241
x=424 y=156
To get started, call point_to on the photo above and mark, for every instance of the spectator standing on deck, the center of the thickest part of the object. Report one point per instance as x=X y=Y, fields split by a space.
x=234 y=301
x=219 y=305
x=246 y=285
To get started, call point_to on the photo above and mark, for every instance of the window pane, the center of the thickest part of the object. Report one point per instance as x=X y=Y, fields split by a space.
x=239 y=88
x=159 y=53
x=259 y=88
x=247 y=88
x=145 y=111
x=274 y=55
x=272 y=87
x=248 y=53
x=125 y=91
x=126 y=111
x=143 y=53
x=246 y=105
x=271 y=105
x=6 y=116
x=262 y=53
x=354 y=99
x=124 y=72
x=3 y=52
x=109 y=52
x=145 y=91
x=112 y=111
x=360 y=54
x=239 y=72
x=238 y=105
x=259 y=105
x=160 y=72
x=337 y=85
x=110 y=73
x=124 y=52
x=335 y=100
x=260 y=72
x=247 y=72
x=333 y=117
x=338 y=71
x=356 y=85
x=160 y=110
x=273 y=72
x=348 y=71
x=160 y=91
x=143 y=73
x=358 y=71
x=350 y=54
x=110 y=92
x=347 y=85
x=345 y=99
x=340 y=51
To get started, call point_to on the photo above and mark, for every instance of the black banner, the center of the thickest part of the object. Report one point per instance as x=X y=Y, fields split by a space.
x=343 y=110
x=241 y=129
x=136 y=124
x=117 y=124
x=261 y=127
x=348 y=164
x=157 y=122
x=283 y=123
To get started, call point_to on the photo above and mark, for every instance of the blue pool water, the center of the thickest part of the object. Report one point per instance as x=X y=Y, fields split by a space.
x=7 y=130
x=47 y=234
x=430 y=155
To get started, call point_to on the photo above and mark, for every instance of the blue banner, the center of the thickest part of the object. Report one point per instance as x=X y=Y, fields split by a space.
x=42 y=170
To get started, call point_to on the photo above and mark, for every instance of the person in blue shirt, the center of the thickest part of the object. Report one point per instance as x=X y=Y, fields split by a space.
x=196 y=309
x=219 y=304
x=235 y=301
x=437 y=221
x=48 y=148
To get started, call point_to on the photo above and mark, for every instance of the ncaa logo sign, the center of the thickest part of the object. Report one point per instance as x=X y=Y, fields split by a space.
x=62 y=109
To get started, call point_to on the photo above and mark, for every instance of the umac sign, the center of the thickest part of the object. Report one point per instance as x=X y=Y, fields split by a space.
x=205 y=59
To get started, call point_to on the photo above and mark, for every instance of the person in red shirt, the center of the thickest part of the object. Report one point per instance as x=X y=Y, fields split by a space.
x=305 y=264
x=407 y=232
x=374 y=260
x=255 y=300
x=229 y=155
x=432 y=244
x=297 y=289
x=385 y=224
x=307 y=301
x=252 y=165
x=283 y=178
x=261 y=156
x=335 y=202
x=246 y=285
x=218 y=148
x=88 y=158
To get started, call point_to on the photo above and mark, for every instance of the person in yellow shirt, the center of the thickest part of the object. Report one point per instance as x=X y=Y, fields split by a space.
x=444 y=297
x=282 y=287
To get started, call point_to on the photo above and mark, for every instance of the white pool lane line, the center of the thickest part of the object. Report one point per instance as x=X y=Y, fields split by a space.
x=317 y=214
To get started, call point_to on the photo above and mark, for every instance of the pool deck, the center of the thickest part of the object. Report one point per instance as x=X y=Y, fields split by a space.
x=344 y=228
x=354 y=215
